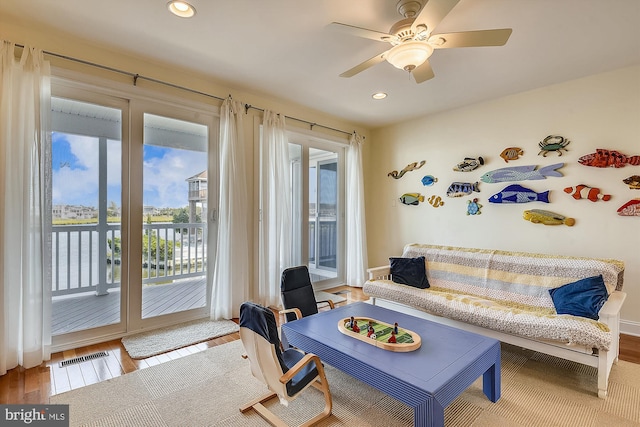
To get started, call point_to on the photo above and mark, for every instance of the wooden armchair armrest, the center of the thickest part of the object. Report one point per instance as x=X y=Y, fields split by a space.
x=331 y=304
x=383 y=272
x=308 y=358
x=292 y=310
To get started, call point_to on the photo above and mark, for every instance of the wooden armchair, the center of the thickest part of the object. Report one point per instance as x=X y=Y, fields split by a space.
x=286 y=373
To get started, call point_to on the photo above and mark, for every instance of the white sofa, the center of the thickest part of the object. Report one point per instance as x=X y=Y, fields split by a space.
x=505 y=295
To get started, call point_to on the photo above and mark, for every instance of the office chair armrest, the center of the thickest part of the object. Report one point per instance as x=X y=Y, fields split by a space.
x=292 y=310
x=308 y=358
x=331 y=304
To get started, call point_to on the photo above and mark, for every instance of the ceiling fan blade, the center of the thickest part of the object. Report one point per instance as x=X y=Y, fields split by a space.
x=432 y=13
x=423 y=72
x=360 y=32
x=363 y=66
x=471 y=38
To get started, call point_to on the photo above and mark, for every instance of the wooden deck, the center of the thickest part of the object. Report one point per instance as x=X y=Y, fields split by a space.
x=84 y=311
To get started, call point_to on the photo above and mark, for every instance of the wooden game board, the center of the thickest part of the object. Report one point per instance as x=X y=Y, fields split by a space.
x=406 y=340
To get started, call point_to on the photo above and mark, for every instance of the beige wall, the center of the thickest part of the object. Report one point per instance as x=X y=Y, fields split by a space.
x=600 y=111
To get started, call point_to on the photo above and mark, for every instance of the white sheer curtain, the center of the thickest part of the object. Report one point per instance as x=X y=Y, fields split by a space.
x=232 y=265
x=25 y=294
x=275 y=205
x=356 y=234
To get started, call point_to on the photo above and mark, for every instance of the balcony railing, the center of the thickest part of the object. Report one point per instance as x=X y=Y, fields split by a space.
x=323 y=253
x=87 y=257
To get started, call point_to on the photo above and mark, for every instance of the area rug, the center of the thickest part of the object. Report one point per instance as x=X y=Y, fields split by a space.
x=207 y=388
x=324 y=296
x=151 y=343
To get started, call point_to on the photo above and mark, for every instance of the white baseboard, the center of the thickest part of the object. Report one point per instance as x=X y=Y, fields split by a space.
x=629 y=327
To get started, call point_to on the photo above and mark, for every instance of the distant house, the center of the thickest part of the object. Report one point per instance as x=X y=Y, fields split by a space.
x=197 y=195
x=74 y=212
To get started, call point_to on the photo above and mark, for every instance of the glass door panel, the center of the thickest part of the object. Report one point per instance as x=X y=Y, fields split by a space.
x=323 y=209
x=174 y=235
x=327 y=215
x=86 y=200
x=315 y=189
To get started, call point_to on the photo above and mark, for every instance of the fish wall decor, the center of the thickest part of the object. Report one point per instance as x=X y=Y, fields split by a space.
x=428 y=180
x=631 y=208
x=633 y=182
x=603 y=158
x=585 y=192
x=436 y=201
x=459 y=189
x=469 y=164
x=521 y=173
x=539 y=216
x=518 y=194
x=410 y=167
x=411 y=199
x=553 y=143
x=511 y=153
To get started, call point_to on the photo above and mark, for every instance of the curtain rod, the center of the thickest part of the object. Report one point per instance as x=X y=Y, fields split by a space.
x=137 y=77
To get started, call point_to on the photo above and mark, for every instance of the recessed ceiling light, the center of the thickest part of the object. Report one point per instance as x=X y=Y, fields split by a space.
x=181 y=9
x=379 y=95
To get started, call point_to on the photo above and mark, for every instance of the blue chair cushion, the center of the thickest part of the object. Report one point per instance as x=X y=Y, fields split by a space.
x=583 y=298
x=296 y=291
x=307 y=374
x=262 y=321
x=409 y=271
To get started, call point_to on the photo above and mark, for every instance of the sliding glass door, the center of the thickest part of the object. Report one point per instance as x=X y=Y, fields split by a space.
x=171 y=189
x=174 y=200
x=85 y=194
x=132 y=236
x=317 y=187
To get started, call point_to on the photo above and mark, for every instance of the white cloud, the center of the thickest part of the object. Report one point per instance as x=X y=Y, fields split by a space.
x=165 y=182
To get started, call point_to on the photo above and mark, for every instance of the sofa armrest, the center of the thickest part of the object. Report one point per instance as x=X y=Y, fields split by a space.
x=610 y=312
x=380 y=273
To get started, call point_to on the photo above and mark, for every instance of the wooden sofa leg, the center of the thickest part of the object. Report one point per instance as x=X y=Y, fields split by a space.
x=603 y=373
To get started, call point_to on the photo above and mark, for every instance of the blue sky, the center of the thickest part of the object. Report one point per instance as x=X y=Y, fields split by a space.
x=75 y=172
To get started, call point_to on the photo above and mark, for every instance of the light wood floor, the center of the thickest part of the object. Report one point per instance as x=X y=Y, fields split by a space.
x=36 y=385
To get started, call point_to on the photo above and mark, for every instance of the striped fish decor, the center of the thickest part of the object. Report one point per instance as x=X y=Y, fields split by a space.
x=585 y=192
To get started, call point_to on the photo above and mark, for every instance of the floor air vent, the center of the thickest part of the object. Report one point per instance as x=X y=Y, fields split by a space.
x=83 y=358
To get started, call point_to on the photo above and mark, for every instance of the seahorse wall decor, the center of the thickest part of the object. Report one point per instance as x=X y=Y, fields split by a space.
x=410 y=167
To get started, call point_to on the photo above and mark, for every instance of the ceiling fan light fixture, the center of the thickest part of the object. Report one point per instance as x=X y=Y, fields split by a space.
x=409 y=55
x=181 y=9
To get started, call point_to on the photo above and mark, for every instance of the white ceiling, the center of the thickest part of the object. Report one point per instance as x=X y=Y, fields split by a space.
x=282 y=48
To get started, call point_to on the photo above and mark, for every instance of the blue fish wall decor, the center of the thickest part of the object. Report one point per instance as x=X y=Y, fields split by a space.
x=459 y=189
x=518 y=194
x=521 y=173
x=428 y=180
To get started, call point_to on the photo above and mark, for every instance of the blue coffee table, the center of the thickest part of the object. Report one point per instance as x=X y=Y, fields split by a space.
x=427 y=379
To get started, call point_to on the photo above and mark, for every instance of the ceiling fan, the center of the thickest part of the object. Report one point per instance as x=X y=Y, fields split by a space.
x=413 y=41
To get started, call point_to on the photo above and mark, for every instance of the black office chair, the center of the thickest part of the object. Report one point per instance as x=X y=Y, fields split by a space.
x=286 y=373
x=298 y=298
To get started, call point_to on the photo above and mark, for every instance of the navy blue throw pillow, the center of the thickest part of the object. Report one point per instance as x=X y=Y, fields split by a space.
x=409 y=271
x=583 y=298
